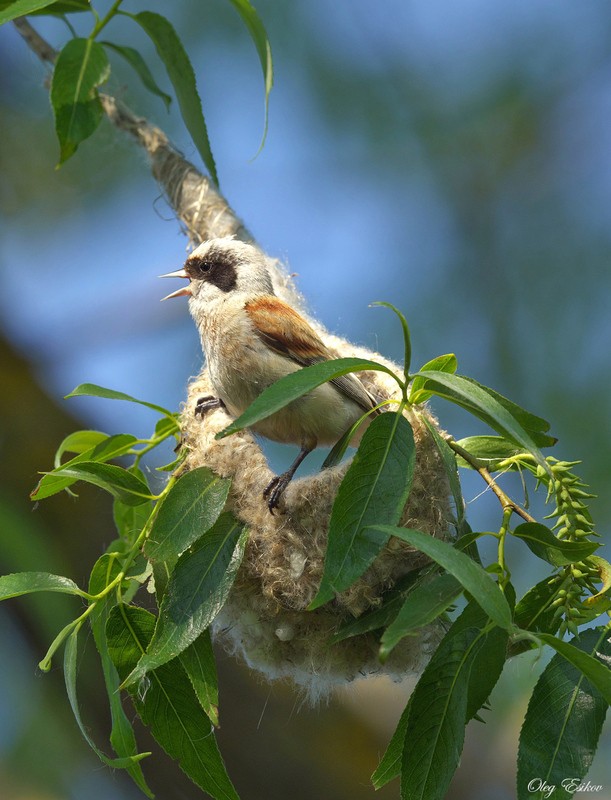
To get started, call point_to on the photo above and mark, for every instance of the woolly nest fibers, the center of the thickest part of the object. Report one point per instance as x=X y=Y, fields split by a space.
x=264 y=619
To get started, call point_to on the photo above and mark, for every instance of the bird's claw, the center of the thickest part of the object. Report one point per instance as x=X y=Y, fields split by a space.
x=207 y=403
x=275 y=489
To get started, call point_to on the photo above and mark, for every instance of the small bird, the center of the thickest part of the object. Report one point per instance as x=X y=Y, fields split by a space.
x=251 y=338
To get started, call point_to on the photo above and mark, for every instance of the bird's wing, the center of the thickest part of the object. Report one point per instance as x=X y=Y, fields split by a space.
x=288 y=334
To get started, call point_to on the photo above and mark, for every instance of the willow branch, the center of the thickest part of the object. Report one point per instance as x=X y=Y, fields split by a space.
x=504 y=499
x=203 y=211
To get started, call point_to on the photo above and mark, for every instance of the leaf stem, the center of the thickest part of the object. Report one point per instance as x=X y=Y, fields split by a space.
x=504 y=499
x=102 y=23
x=504 y=530
x=45 y=664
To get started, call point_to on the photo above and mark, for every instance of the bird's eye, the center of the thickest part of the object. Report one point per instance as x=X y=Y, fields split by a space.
x=205 y=266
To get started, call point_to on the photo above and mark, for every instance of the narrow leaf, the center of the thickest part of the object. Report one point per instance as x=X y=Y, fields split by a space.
x=383 y=615
x=424 y=604
x=180 y=72
x=407 y=343
x=343 y=443
x=106 y=449
x=20 y=8
x=62 y=7
x=489 y=449
x=604 y=570
x=563 y=723
x=488 y=663
x=530 y=422
x=445 y=363
x=141 y=68
x=129 y=519
x=448 y=460
x=298 y=383
x=596 y=671
x=70 y=662
x=198 y=662
x=78 y=442
x=122 y=737
x=389 y=767
x=558 y=552
x=93 y=390
x=475 y=580
x=122 y=484
x=196 y=592
x=483 y=403
x=169 y=706
x=80 y=68
x=374 y=489
x=19 y=583
x=533 y=612
x=260 y=39
x=435 y=727
x=191 y=507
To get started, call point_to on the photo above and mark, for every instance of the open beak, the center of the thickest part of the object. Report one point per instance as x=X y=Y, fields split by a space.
x=179 y=273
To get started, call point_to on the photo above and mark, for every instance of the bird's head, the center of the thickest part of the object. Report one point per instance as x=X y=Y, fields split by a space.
x=220 y=267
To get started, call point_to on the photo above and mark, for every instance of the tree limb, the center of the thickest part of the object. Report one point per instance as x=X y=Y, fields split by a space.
x=203 y=211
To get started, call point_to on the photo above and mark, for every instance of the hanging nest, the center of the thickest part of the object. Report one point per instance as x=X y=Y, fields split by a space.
x=264 y=619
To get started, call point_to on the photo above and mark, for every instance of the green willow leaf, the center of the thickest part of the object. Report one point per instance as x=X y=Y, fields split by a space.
x=198 y=662
x=62 y=7
x=169 y=706
x=533 y=611
x=130 y=520
x=489 y=660
x=530 y=422
x=167 y=426
x=122 y=737
x=489 y=449
x=563 y=722
x=558 y=552
x=343 y=443
x=484 y=404
x=375 y=488
x=124 y=485
x=475 y=580
x=70 y=663
x=260 y=39
x=191 y=507
x=18 y=583
x=106 y=449
x=80 y=68
x=381 y=616
x=603 y=568
x=597 y=672
x=93 y=390
x=423 y=605
x=78 y=442
x=445 y=363
x=389 y=767
x=293 y=386
x=435 y=729
x=20 y=8
x=448 y=460
x=407 y=342
x=196 y=592
x=141 y=68
x=180 y=72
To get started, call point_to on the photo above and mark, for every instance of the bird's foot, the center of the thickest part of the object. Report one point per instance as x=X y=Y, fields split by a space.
x=275 y=489
x=206 y=404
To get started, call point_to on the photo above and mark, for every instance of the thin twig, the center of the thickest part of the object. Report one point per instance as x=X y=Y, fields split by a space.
x=477 y=465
